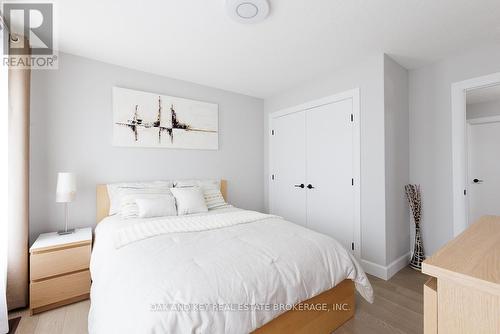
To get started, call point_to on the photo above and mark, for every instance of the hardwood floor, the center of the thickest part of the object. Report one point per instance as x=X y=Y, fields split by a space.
x=67 y=319
x=398 y=308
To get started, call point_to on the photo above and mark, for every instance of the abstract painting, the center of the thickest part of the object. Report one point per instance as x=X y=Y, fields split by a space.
x=142 y=119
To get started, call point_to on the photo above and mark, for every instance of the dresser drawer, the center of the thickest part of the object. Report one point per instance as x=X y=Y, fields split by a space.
x=57 y=262
x=60 y=288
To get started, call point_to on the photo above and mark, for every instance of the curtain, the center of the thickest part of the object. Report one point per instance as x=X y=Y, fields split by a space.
x=4 y=322
x=18 y=186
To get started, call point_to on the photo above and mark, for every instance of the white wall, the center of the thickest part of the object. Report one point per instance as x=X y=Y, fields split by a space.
x=368 y=76
x=397 y=167
x=430 y=135
x=484 y=109
x=71 y=130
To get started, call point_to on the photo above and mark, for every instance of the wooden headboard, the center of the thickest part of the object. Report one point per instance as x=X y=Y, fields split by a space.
x=103 y=199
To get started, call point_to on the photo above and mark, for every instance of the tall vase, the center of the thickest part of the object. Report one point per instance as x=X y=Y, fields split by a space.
x=418 y=250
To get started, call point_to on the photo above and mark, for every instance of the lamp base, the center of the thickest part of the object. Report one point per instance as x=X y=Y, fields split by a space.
x=64 y=232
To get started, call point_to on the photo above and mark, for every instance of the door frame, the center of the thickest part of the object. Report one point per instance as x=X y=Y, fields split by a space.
x=459 y=142
x=353 y=94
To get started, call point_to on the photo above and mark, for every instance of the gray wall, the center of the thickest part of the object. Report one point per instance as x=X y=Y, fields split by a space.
x=368 y=76
x=397 y=167
x=430 y=135
x=71 y=130
x=484 y=109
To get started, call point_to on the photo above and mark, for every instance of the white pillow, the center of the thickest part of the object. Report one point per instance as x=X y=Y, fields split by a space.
x=128 y=197
x=213 y=198
x=197 y=182
x=211 y=191
x=189 y=200
x=114 y=191
x=156 y=207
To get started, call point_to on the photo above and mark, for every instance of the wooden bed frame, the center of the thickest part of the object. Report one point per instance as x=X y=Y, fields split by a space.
x=321 y=314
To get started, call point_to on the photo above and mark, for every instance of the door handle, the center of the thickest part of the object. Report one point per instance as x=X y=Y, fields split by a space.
x=310 y=186
x=477 y=181
x=300 y=186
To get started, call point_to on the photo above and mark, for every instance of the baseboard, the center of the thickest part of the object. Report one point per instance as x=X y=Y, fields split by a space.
x=398 y=264
x=374 y=269
x=386 y=272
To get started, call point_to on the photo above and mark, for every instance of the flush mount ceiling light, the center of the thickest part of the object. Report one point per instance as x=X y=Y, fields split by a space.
x=247 y=11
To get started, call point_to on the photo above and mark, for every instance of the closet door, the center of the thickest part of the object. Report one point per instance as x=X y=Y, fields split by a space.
x=288 y=198
x=329 y=147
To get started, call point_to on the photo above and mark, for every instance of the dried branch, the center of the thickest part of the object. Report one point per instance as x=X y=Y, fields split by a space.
x=414 y=201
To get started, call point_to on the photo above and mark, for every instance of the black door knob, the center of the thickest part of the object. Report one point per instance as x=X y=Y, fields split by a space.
x=310 y=186
x=477 y=181
x=300 y=185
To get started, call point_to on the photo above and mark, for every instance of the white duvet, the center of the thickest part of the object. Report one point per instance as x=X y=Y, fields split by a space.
x=220 y=274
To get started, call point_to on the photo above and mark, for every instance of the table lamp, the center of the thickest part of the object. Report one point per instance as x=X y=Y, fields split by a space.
x=65 y=193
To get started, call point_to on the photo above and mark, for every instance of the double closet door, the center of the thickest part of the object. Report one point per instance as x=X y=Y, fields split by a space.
x=312 y=169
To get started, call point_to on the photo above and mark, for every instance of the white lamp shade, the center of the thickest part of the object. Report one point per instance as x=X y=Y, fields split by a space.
x=66 y=187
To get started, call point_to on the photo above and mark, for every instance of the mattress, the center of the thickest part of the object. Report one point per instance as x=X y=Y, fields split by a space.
x=216 y=278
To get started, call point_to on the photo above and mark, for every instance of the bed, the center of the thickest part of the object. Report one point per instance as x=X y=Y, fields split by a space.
x=231 y=271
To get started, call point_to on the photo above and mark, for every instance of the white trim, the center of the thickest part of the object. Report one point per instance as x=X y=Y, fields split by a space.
x=483 y=120
x=374 y=269
x=467 y=170
x=386 y=272
x=459 y=145
x=398 y=264
x=353 y=94
x=356 y=164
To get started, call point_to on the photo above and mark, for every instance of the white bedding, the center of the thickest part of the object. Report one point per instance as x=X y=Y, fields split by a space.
x=185 y=223
x=218 y=279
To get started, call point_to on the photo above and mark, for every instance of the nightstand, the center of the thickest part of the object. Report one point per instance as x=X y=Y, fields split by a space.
x=59 y=269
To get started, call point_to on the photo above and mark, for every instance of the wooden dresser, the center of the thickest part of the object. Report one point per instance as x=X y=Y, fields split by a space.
x=463 y=295
x=59 y=269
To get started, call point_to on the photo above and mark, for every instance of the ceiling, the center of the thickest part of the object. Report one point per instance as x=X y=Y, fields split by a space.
x=196 y=41
x=483 y=95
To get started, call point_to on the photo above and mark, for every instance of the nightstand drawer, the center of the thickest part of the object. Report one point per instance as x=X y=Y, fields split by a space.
x=60 y=288
x=57 y=262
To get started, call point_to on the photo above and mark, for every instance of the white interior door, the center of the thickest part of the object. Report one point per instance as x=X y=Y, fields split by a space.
x=288 y=198
x=329 y=155
x=484 y=170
